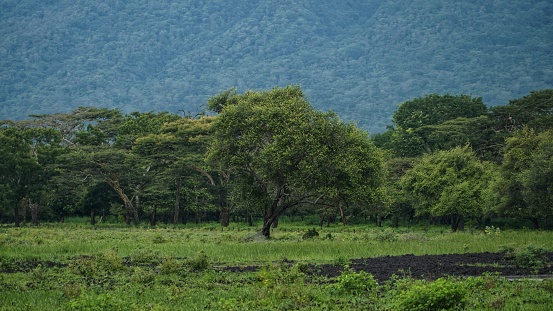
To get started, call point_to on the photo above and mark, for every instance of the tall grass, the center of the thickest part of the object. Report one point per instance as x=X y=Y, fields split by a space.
x=244 y=246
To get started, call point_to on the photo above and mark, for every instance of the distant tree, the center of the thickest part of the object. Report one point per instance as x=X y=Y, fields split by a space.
x=176 y=156
x=479 y=132
x=283 y=153
x=448 y=184
x=18 y=168
x=534 y=111
x=525 y=189
x=28 y=158
x=413 y=121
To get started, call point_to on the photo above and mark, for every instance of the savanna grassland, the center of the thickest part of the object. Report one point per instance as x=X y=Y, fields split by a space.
x=73 y=266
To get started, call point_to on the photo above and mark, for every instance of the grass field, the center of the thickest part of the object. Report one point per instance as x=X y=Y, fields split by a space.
x=79 y=267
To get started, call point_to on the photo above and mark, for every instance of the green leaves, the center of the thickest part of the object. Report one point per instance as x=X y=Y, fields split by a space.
x=448 y=183
x=276 y=143
x=526 y=175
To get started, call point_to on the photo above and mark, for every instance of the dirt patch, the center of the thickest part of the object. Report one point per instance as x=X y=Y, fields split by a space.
x=428 y=267
x=435 y=266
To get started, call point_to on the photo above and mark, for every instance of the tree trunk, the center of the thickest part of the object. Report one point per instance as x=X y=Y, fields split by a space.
x=177 y=203
x=457 y=223
x=322 y=219
x=24 y=208
x=16 y=216
x=269 y=219
x=224 y=215
x=343 y=215
x=184 y=217
x=34 y=212
x=250 y=220
x=275 y=223
x=126 y=202
x=153 y=218
x=92 y=217
x=135 y=211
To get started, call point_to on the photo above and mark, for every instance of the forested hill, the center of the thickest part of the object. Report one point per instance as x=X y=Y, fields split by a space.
x=358 y=58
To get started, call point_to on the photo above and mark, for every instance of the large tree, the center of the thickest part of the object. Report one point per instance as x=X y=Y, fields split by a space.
x=283 y=153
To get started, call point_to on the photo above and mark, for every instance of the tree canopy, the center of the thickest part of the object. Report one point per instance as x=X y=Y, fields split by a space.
x=284 y=153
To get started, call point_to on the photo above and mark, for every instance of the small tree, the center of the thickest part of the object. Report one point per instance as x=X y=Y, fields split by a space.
x=526 y=172
x=448 y=183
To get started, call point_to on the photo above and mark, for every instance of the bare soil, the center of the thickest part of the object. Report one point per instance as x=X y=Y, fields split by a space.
x=432 y=267
x=428 y=267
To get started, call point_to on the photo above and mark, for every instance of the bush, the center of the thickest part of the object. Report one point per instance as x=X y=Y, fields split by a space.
x=442 y=294
x=201 y=262
x=169 y=265
x=144 y=257
x=529 y=256
x=356 y=283
x=387 y=235
x=311 y=233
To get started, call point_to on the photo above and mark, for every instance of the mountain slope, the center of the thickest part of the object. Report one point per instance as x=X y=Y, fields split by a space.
x=359 y=58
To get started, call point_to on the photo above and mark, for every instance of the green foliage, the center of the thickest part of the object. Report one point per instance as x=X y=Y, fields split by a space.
x=448 y=183
x=355 y=283
x=310 y=234
x=533 y=110
x=491 y=230
x=200 y=262
x=99 y=302
x=442 y=294
x=144 y=257
x=386 y=235
x=416 y=124
x=170 y=266
x=526 y=171
x=528 y=256
x=284 y=153
x=289 y=281
x=360 y=65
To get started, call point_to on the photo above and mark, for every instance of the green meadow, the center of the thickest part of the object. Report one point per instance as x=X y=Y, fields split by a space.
x=74 y=266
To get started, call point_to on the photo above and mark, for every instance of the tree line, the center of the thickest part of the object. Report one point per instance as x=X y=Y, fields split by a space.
x=264 y=154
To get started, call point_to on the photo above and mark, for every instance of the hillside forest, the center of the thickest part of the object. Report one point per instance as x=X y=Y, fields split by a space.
x=261 y=155
x=359 y=59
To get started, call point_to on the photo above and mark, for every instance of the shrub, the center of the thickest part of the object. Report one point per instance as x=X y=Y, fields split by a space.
x=144 y=257
x=169 y=265
x=442 y=294
x=142 y=276
x=387 y=235
x=201 y=262
x=110 y=261
x=356 y=283
x=529 y=256
x=311 y=233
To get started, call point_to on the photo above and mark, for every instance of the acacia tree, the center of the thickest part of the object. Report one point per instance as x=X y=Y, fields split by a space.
x=449 y=184
x=534 y=110
x=283 y=153
x=18 y=168
x=413 y=121
x=176 y=156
